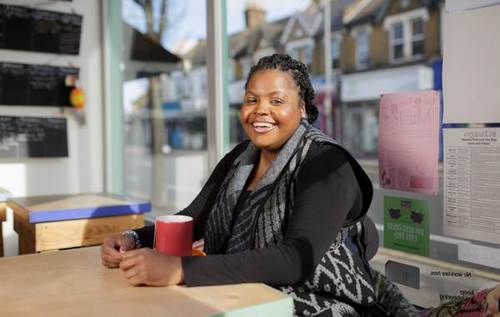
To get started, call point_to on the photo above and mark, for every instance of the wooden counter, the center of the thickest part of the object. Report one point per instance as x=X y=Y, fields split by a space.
x=75 y=283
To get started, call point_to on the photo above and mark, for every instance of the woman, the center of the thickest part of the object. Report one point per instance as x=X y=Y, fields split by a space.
x=286 y=208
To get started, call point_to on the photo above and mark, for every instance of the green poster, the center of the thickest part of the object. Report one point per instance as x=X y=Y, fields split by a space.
x=406 y=225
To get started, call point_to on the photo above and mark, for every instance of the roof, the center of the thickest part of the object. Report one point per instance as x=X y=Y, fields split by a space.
x=364 y=11
x=372 y=11
x=145 y=48
x=249 y=40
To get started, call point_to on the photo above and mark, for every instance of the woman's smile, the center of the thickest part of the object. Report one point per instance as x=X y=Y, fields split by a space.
x=263 y=127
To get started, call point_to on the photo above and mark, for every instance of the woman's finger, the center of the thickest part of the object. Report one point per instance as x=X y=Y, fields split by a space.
x=131 y=273
x=111 y=265
x=111 y=260
x=136 y=280
x=132 y=253
x=127 y=263
x=133 y=276
x=111 y=251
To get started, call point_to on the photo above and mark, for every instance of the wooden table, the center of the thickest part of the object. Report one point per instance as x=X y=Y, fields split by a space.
x=74 y=283
x=66 y=221
x=2 y=219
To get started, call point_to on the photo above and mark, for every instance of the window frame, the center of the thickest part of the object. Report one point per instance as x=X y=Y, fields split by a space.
x=406 y=19
x=337 y=40
x=356 y=33
x=305 y=45
x=416 y=38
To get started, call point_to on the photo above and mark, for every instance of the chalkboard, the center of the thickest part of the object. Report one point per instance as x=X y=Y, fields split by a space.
x=34 y=85
x=28 y=29
x=33 y=137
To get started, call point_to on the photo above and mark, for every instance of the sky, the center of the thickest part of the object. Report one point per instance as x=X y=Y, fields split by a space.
x=189 y=16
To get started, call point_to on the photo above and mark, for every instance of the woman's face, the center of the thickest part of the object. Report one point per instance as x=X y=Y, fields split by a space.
x=272 y=109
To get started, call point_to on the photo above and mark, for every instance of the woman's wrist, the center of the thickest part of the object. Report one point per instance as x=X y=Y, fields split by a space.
x=135 y=238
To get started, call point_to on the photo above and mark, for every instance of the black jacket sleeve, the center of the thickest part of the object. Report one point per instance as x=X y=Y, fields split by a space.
x=327 y=195
x=202 y=204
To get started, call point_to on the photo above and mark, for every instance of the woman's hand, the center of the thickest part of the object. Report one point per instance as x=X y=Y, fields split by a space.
x=113 y=247
x=493 y=300
x=148 y=267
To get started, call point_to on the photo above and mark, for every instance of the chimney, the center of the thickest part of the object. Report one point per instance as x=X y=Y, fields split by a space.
x=254 y=14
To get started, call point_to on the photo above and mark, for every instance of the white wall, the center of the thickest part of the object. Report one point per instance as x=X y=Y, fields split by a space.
x=82 y=171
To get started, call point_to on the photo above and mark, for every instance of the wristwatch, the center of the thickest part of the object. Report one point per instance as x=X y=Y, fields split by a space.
x=135 y=236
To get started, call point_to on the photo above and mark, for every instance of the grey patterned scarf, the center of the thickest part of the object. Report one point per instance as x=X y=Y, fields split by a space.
x=227 y=235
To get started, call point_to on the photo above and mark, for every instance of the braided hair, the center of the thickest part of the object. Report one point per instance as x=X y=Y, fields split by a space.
x=299 y=74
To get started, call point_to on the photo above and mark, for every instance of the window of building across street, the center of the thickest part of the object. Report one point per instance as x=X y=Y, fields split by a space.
x=397 y=41
x=362 y=48
x=335 y=49
x=417 y=40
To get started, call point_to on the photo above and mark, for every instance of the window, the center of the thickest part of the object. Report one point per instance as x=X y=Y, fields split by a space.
x=417 y=38
x=179 y=86
x=307 y=55
x=362 y=48
x=302 y=53
x=335 y=50
x=397 y=41
x=406 y=35
x=301 y=50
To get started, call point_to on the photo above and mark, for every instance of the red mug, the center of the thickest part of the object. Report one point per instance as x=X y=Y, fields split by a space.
x=174 y=235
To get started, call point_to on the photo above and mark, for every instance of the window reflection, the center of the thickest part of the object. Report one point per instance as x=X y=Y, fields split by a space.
x=165 y=103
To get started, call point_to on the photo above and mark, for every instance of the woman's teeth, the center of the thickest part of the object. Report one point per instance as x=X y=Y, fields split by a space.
x=263 y=126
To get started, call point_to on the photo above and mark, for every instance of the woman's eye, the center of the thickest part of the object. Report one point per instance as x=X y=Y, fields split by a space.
x=250 y=101
x=276 y=102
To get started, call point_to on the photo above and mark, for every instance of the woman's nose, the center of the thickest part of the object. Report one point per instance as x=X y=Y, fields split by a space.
x=262 y=108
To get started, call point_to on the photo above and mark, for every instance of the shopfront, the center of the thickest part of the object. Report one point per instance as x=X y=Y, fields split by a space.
x=360 y=94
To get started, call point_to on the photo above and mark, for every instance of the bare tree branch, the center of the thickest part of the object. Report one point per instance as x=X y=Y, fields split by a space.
x=163 y=18
x=148 y=10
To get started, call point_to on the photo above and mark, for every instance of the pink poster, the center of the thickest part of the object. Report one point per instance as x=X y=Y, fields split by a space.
x=409 y=141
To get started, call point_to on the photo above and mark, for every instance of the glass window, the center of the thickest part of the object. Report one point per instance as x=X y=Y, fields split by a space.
x=302 y=53
x=335 y=50
x=362 y=48
x=397 y=41
x=165 y=102
x=307 y=59
x=417 y=42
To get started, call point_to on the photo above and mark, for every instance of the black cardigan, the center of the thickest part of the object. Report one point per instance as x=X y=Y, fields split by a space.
x=328 y=195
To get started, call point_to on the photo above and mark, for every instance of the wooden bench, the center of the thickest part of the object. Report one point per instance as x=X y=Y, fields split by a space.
x=66 y=221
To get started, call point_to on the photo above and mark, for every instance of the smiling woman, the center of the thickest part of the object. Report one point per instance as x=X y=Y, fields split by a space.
x=286 y=207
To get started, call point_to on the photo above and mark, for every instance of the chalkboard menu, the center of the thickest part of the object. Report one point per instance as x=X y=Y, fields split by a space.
x=28 y=29
x=33 y=137
x=34 y=85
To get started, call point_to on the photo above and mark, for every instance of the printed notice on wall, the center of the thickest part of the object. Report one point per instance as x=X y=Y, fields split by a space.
x=469 y=54
x=409 y=141
x=472 y=183
x=406 y=225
